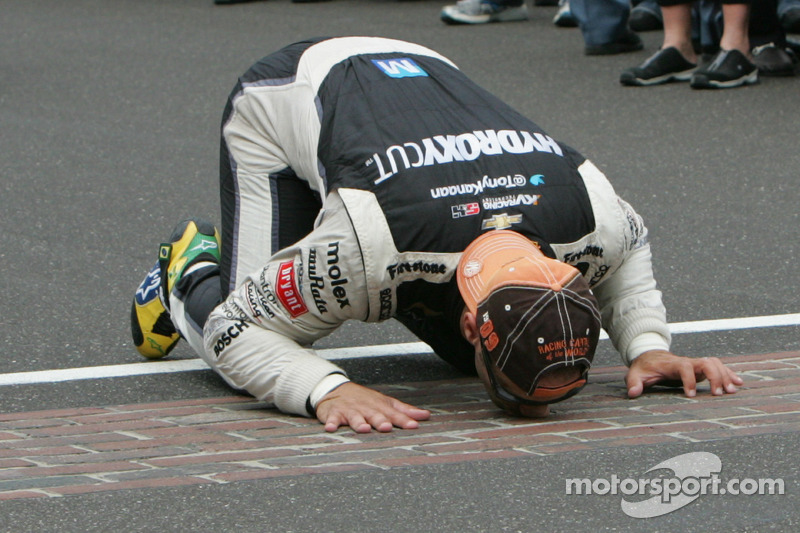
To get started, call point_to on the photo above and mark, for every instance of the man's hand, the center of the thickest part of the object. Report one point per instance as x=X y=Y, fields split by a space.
x=363 y=409
x=657 y=366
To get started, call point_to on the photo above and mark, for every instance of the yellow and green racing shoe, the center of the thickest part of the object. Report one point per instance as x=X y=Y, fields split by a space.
x=192 y=241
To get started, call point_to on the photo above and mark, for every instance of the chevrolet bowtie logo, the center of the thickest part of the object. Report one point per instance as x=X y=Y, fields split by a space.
x=502 y=221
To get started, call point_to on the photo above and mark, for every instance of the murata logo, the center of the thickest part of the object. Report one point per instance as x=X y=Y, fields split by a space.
x=443 y=149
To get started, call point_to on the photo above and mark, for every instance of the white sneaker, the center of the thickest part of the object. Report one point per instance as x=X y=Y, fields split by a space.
x=482 y=11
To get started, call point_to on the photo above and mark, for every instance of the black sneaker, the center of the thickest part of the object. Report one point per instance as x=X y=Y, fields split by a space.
x=662 y=67
x=730 y=68
x=629 y=42
x=774 y=61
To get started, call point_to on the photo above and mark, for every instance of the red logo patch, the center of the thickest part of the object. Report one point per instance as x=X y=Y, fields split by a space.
x=490 y=338
x=287 y=290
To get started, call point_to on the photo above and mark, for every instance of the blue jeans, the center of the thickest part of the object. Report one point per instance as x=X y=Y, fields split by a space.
x=601 y=21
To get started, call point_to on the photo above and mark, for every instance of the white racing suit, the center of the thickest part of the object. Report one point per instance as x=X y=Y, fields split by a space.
x=392 y=162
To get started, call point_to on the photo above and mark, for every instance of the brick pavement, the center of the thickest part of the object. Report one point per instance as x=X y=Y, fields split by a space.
x=223 y=440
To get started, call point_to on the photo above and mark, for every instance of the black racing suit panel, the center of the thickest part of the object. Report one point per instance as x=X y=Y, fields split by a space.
x=431 y=141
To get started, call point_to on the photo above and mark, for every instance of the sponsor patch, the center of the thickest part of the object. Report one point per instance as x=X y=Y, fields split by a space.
x=399 y=269
x=590 y=250
x=537 y=179
x=336 y=276
x=402 y=67
x=502 y=221
x=476 y=188
x=287 y=291
x=227 y=336
x=467 y=146
x=386 y=304
x=465 y=210
x=510 y=200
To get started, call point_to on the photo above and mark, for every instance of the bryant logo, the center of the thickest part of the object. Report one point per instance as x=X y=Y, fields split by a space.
x=288 y=294
x=399 y=68
x=465 y=210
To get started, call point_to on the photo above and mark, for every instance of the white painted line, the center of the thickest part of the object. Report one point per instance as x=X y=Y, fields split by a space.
x=333 y=354
x=730 y=324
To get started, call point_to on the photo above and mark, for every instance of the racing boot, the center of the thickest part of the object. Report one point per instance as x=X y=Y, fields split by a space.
x=192 y=242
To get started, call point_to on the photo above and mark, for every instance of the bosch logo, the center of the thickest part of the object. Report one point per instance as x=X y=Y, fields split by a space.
x=228 y=336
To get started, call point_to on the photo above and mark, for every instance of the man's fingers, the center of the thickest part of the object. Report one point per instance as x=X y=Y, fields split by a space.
x=358 y=423
x=721 y=379
x=332 y=423
x=380 y=422
x=711 y=369
x=410 y=411
x=686 y=371
x=336 y=419
x=398 y=414
x=635 y=384
x=734 y=381
x=730 y=379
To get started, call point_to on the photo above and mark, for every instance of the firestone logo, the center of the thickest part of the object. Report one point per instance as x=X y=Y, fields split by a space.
x=443 y=149
x=398 y=269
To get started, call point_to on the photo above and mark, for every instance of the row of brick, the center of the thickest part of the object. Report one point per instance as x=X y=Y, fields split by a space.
x=223 y=440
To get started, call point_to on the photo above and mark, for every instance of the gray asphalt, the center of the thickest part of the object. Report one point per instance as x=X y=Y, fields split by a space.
x=109 y=119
